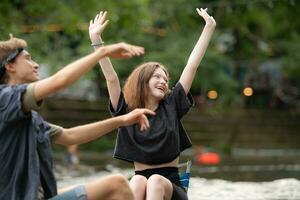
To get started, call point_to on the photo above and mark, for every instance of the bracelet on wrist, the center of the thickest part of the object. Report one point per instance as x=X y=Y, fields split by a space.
x=99 y=44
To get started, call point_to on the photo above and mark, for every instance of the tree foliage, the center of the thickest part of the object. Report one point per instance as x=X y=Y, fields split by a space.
x=248 y=33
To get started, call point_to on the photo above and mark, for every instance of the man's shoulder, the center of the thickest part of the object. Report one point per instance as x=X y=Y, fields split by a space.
x=5 y=89
x=11 y=102
x=9 y=94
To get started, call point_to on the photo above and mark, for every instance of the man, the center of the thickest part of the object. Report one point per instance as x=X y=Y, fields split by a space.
x=25 y=148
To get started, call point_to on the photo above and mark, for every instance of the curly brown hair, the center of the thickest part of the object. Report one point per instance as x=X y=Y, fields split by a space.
x=6 y=48
x=136 y=86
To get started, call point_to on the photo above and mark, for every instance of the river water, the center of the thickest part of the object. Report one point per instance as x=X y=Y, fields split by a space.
x=201 y=188
x=282 y=189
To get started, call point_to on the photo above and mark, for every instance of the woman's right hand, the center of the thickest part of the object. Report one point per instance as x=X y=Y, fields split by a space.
x=97 y=26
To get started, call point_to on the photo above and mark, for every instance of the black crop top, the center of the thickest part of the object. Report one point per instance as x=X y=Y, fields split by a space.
x=165 y=138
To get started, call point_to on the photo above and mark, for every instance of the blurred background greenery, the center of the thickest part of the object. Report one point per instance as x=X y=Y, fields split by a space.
x=256 y=43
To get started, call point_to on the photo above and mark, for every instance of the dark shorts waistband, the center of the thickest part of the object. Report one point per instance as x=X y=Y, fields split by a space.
x=170 y=173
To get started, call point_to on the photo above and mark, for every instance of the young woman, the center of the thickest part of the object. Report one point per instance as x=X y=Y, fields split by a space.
x=154 y=152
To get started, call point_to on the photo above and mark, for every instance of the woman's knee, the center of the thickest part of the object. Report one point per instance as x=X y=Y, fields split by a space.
x=138 y=185
x=138 y=179
x=155 y=182
x=156 y=179
x=158 y=182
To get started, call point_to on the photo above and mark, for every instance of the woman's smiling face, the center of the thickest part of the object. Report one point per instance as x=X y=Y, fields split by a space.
x=158 y=84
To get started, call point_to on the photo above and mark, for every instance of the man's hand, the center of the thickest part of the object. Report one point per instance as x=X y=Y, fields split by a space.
x=138 y=116
x=123 y=50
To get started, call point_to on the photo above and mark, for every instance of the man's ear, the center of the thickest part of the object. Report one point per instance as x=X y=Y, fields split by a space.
x=10 y=67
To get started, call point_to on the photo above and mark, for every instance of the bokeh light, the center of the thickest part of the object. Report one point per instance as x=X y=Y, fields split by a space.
x=248 y=91
x=212 y=94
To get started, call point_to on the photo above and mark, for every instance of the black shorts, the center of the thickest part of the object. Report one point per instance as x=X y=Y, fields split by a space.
x=170 y=173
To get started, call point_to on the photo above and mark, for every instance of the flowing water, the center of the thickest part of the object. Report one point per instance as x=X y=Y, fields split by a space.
x=202 y=188
x=282 y=189
x=257 y=175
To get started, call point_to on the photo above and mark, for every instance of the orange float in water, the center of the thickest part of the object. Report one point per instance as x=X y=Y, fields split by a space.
x=208 y=158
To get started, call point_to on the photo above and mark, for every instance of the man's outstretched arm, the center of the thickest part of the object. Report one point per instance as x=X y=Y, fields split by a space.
x=72 y=72
x=85 y=133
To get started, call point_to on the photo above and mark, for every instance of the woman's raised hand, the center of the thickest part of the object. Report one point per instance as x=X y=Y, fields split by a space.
x=209 y=20
x=98 y=25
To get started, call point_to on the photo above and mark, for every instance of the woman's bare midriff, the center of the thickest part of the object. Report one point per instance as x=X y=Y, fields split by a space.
x=141 y=166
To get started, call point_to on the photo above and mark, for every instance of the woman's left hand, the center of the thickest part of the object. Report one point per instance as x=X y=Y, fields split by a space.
x=209 y=20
